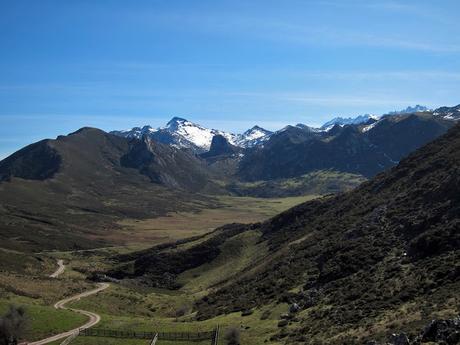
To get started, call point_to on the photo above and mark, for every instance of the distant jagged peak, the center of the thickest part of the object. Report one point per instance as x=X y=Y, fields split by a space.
x=177 y=121
x=342 y=121
x=409 y=110
x=255 y=132
x=448 y=113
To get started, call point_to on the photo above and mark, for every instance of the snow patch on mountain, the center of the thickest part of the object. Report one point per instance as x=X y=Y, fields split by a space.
x=410 y=110
x=253 y=137
x=194 y=134
x=448 y=113
x=369 y=127
x=182 y=133
x=348 y=121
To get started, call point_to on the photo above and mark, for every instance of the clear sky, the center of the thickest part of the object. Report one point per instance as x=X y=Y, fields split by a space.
x=224 y=64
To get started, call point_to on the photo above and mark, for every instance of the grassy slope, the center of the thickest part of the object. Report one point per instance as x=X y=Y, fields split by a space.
x=26 y=283
x=317 y=182
x=43 y=320
x=383 y=258
x=24 y=279
x=146 y=309
x=179 y=225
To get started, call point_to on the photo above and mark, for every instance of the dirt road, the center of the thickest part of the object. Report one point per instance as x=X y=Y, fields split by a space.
x=60 y=270
x=93 y=317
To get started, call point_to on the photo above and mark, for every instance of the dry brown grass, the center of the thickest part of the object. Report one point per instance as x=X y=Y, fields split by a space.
x=180 y=225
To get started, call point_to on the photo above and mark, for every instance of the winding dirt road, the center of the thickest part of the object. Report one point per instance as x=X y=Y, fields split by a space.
x=93 y=317
x=60 y=270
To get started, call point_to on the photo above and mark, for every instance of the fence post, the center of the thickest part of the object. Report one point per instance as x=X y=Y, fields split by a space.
x=215 y=337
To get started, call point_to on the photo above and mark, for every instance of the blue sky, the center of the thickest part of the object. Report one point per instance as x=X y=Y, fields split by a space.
x=224 y=64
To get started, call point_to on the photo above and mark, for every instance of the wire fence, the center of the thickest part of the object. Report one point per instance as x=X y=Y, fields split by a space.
x=112 y=333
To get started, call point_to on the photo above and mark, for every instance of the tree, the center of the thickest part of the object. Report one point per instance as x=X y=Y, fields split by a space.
x=13 y=324
x=232 y=336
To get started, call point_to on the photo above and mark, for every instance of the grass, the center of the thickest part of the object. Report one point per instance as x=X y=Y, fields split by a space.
x=117 y=341
x=150 y=309
x=316 y=182
x=127 y=309
x=44 y=320
x=108 y=341
x=176 y=342
x=139 y=308
x=180 y=225
x=236 y=254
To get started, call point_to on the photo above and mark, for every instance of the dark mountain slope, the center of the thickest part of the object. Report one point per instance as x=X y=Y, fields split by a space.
x=353 y=263
x=395 y=240
x=360 y=149
x=68 y=192
x=399 y=135
x=167 y=165
x=37 y=161
x=220 y=149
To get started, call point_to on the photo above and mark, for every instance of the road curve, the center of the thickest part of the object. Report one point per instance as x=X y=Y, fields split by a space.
x=60 y=270
x=93 y=317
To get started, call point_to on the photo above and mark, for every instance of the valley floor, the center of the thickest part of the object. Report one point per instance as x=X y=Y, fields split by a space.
x=130 y=306
x=37 y=282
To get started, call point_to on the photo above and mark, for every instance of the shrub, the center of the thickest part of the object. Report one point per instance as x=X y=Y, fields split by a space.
x=232 y=336
x=13 y=325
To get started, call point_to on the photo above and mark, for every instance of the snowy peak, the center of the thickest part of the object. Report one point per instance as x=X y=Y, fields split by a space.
x=255 y=132
x=136 y=132
x=191 y=135
x=361 y=119
x=253 y=137
x=179 y=132
x=409 y=110
x=341 y=121
x=448 y=113
x=175 y=122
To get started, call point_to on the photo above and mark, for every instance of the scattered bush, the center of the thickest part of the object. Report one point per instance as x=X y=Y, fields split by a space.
x=13 y=325
x=232 y=336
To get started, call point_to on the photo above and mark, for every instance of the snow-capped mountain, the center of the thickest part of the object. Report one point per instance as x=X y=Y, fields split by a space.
x=448 y=113
x=253 y=137
x=366 y=117
x=182 y=133
x=135 y=132
x=409 y=110
x=349 y=121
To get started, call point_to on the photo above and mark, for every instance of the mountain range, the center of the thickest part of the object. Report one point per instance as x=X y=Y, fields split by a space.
x=366 y=117
x=374 y=258
x=182 y=133
x=63 y=187
x=353 y=268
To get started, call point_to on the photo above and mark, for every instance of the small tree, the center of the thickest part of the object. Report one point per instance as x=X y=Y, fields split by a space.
x=232 y=336
x=13 y=325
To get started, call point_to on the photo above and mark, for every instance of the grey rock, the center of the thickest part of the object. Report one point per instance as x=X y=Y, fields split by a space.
x=294 y=308
x=445 y=331
x=399 y=339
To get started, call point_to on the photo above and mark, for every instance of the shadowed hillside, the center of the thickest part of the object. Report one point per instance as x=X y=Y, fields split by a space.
x=360 y=149
x=69 y=192
x=350 y=262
